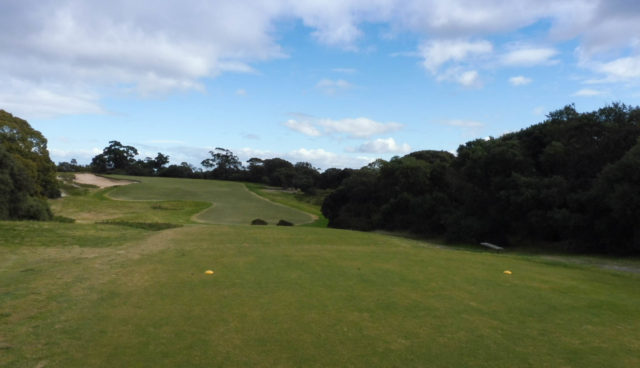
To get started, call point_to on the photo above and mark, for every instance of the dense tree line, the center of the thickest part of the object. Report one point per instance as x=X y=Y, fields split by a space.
x=27 y=174
x=222 y=164
x=570 y=182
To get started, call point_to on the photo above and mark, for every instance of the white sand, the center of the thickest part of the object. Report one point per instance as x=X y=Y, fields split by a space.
x=100 y=181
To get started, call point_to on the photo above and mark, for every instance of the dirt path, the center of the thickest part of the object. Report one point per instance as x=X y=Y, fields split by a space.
x=99 y=181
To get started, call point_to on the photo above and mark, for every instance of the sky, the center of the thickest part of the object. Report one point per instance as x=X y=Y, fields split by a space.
x=333 y=83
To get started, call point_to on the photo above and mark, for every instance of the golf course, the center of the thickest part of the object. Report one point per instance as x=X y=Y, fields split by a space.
x=119 y=281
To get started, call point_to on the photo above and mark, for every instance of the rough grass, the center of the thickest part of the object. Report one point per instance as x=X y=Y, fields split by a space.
x=232 y=202
x=96 y=206
x=88 y=295
x=300 y=201
x=309 y=297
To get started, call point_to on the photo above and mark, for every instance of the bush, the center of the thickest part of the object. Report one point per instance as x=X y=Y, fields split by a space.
x=258 y=222
x=284 y=223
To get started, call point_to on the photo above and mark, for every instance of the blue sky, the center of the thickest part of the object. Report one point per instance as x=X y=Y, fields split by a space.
x=337 y=84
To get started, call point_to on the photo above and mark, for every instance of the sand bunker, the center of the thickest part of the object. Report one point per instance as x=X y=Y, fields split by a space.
x=100 y=181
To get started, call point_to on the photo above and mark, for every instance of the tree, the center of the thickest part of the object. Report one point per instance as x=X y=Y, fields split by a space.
x=27 y=174
x=114 y=157
x=570 y=182
x=271 y=168
x=256 y=171
x=305 y=177
x=29 y=146
x=159 y=162
x=184 y=170
x=223 y=162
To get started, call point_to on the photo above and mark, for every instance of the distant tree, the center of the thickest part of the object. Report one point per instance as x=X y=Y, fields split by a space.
x=305 y=177
x=223 y=162
x=184 y=170
x=256 y=171
x=159 y=162
x=278 y=171
x=114 y=157
x=331 y=178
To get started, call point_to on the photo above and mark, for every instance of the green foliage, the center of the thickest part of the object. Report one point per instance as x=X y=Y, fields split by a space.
x=223 y=162
x=570 y=182
x=27 y=175
x=114 y=157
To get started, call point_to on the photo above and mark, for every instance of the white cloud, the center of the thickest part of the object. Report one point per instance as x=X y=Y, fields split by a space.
x=530 y=56
x=325 y=159
x=318 y=157
x=358 y=127
x=464 y=123
x=539 y=110
x=469 y=129
x=97 y=44
x=241 y=92
x=32 y=100
x=622 y=69
x=351 y=127
x=469 y=78
x=344 y=70
x=587 y=92
x=163 y=141
x=384 y=145
x=83 y=156
x=519 y=80
x=303 y=127
x=438 y=52
x=466 y=78
x=329 y=86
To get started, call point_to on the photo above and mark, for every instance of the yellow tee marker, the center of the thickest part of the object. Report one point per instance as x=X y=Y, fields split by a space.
x=507 y=272
x=208 y=272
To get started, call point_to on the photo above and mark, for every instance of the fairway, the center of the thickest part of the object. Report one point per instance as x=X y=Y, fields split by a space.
x=92 y=295
x=232 y=202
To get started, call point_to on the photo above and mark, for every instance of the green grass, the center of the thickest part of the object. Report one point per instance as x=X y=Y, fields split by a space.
x=95 y=206
x=299 y=201
x=87 y=295
x=232 y=202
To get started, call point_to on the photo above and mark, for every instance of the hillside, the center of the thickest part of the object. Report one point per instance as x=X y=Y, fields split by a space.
x=85 y=294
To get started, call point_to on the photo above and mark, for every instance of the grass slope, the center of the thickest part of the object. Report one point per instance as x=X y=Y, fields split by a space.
x=294 y=200
x=78 y=295
x=232 y=202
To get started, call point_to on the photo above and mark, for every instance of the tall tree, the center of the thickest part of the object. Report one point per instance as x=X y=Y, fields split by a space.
x=115 y=156
x=223 y=162
x=27 y=174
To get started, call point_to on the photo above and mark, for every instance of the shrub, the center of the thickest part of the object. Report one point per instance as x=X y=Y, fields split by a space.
x=258 y=222
x=284 y=223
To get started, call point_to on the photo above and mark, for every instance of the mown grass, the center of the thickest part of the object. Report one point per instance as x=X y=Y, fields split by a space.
x=299 y=201
x=88 y=295
x=312 y=297
x=232 y=202
x=16 y=234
